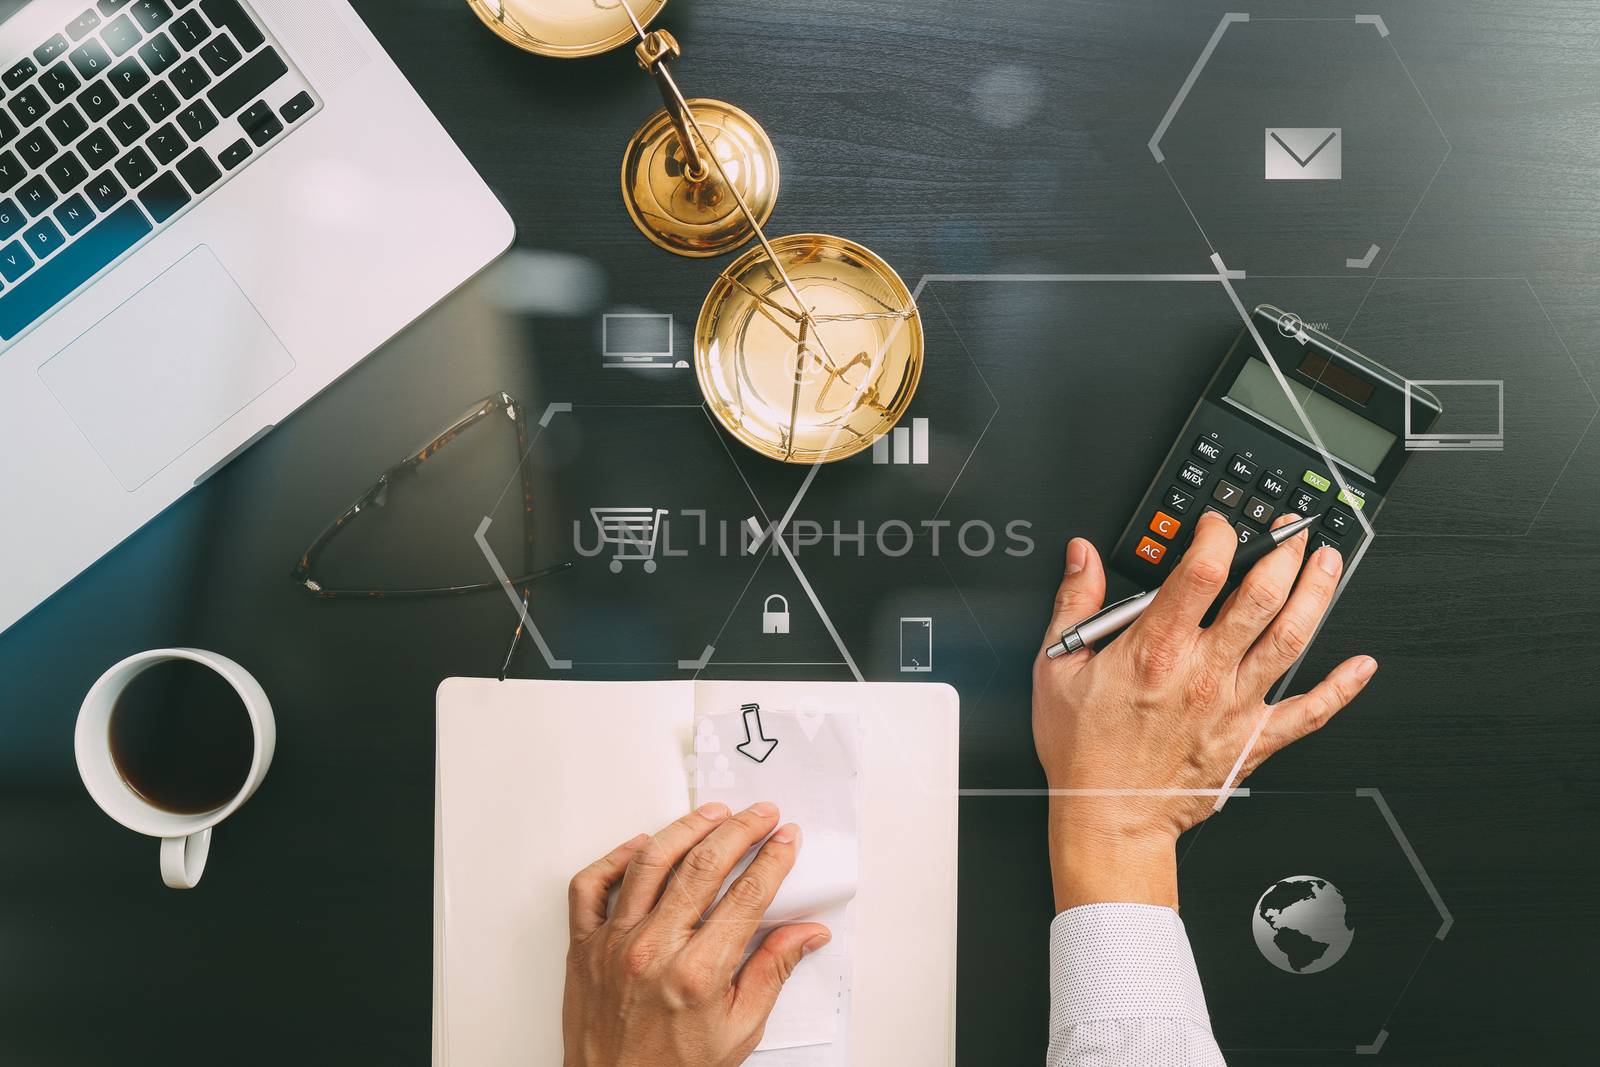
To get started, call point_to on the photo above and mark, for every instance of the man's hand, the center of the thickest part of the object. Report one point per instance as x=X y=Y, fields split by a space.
x=1169 y=707
x=652 y=984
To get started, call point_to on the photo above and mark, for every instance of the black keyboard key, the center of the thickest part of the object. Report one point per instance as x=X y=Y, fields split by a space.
x=263 y=132
x=164 y=196
x=298 y=105
x=8 y=129
x=197 y=120
x=235 y=154
x=166 y=144
x=199 y=170
x=230 y=16
x=158 y=53
x=59 y=82
x=189 y=30
x=28 y=106
x=50 y=49
x=36 y=148
x=221 y=55
x=189 y=77
x=98 y=149
x=11 y=219
x=97 y=101
x=14 y=261
x=129 y=125
x=74 y=214
x=20 y=75
x=82 y=25
x=248 y=82
x=91 y=253
x=128 y=77
x=37 y=196
x=120 y=34
x=105 y=190
x=90 y=60
x=11 y=171
x=158 y=101
x=150 y=14
x=67 y=124
x=67 y=173
x=111 y=7
x=136 y=168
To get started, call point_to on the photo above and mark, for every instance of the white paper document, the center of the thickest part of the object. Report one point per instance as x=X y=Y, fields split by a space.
x=538 y=779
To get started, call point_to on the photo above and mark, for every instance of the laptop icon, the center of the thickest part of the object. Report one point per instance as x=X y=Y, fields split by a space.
x=637 y=340
x=1477 y=420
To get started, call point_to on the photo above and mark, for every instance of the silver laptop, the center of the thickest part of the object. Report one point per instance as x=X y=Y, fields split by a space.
x=209 y=210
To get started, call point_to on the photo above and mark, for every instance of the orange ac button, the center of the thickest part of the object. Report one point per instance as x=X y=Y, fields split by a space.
x=1150 y=551
x=1165 y=525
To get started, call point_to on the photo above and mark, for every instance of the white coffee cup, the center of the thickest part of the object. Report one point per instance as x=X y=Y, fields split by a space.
x=185 y=839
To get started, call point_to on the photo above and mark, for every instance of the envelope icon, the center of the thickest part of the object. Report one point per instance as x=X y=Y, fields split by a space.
x=1297 y=153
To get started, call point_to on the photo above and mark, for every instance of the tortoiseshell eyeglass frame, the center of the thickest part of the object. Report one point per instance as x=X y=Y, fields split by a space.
x=500 y=403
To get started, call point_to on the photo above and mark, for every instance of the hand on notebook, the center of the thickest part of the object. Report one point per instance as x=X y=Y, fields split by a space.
x=1168 y=705
x=651 y=984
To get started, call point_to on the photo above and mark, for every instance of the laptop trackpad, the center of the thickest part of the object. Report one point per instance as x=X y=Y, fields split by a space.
x=175 y=361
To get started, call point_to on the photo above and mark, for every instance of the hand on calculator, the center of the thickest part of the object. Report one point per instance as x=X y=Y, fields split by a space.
x=1137 y=738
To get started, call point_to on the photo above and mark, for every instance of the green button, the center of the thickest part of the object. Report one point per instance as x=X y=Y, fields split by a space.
x=1317 y=481
x=1347 y=497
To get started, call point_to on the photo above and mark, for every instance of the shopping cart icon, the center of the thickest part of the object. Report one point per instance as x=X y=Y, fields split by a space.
x=633 y=532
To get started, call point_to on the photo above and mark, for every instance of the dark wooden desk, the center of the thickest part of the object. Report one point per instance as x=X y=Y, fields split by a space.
x=956 y=140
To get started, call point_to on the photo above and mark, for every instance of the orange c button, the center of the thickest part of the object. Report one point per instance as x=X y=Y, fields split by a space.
x=1165 y=525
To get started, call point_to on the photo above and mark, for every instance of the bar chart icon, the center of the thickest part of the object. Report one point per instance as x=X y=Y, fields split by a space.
x=903 y=445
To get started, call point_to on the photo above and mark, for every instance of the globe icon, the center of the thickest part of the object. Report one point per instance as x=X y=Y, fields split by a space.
x=1300 y=924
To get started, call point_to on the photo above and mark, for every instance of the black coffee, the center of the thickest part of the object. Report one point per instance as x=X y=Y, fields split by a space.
x=181 y=737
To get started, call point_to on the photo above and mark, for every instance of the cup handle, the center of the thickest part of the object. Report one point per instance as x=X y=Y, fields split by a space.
x=183 y=859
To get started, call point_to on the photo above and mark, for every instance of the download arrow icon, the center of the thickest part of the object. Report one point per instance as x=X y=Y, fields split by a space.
x=757 y=745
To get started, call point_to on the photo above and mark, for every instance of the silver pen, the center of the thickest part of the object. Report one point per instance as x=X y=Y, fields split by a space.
x=1108 y=620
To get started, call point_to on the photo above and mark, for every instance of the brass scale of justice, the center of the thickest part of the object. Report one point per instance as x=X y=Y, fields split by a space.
x=808 y=347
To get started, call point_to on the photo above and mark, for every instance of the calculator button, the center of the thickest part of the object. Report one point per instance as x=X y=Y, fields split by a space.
x=1258 y=511
x=1207 y=449
x=1318 y=540
x=1273 y=485
x=1246 y=533
x=1165 y=525
x=1194 y=475
x=1242 y=468
x=1319 y=482
x=1338 y=520
x=1348 y=497
x=1305 y=503
x=1227 y=494
x=1150 y=551
x=1177 y=500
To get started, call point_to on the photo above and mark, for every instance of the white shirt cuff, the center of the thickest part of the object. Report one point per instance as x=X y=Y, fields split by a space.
x=1122 y=961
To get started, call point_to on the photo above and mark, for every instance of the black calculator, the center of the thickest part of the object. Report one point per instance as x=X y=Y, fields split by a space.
x=1247 y=454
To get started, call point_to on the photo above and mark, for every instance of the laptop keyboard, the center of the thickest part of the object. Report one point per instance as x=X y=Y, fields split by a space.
x=114 y=126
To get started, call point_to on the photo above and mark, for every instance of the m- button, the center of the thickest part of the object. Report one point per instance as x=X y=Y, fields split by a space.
x=1165 y=525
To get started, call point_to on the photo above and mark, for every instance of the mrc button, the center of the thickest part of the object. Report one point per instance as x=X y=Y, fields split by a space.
x=1207 y=449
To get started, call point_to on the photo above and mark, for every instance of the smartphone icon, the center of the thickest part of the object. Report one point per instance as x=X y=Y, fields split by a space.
x=916 y=645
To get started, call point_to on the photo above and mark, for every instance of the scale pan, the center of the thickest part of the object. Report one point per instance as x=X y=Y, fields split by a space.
x=818 y=390
x=565 y=29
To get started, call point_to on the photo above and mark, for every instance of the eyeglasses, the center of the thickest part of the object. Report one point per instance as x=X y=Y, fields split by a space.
x=483 y=413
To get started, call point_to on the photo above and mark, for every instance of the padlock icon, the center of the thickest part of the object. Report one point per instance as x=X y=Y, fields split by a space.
x=775 y=621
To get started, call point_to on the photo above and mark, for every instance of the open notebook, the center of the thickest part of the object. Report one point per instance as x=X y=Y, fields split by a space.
x=536 y=779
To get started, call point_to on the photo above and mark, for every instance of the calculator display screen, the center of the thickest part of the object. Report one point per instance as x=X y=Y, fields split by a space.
x=1361 y=444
